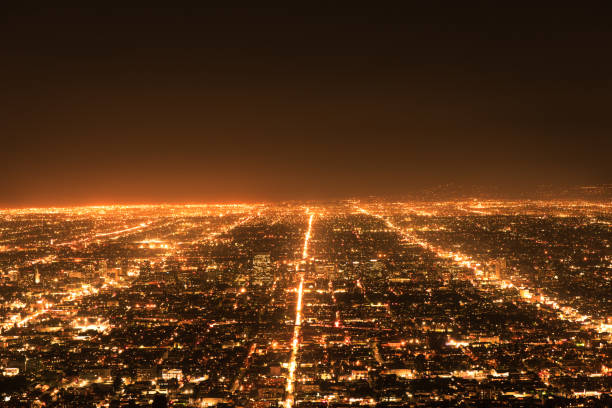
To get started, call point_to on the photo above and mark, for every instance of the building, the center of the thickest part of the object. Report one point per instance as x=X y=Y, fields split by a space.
x=103 y=269
x=262 y=269
x=498 y=267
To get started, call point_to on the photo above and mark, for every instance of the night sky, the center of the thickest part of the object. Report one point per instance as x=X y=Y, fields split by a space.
x=217 y=105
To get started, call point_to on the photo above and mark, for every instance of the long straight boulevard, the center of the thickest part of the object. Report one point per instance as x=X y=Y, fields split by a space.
x=295 y=342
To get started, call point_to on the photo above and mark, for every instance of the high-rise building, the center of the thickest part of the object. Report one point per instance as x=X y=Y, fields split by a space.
x=262 y=269
x=103 y=269
x=499 y=266
x=325 y=271
x=145 y=269
x=89 y=272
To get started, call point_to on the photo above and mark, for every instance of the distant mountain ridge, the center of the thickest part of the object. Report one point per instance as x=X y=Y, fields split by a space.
x=452 y=191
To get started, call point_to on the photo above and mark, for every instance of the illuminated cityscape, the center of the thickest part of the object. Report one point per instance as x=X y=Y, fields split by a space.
x=354 y=302
x=305 y=205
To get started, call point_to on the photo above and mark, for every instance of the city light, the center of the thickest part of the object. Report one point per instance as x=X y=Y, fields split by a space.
x=215 y=296
x=295 y=342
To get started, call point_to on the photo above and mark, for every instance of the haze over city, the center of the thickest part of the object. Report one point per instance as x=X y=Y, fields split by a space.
x=129 y=105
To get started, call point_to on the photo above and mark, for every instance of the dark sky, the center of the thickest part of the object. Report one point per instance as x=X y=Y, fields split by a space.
x=201 y=105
